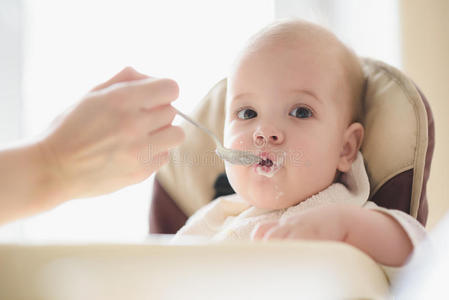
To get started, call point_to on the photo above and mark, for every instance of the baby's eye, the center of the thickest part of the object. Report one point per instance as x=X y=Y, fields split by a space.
x=246 y=114
x=301 y=112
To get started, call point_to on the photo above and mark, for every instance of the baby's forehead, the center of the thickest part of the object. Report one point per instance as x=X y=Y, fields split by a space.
x=286 y=59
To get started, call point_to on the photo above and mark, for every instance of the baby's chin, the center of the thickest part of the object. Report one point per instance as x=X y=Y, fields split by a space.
x=276 y=199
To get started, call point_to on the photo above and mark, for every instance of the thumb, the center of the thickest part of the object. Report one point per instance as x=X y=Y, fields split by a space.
x=261 y=229
x=127 y=74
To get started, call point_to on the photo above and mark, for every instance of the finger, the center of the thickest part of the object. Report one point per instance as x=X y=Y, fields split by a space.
x=278 y=232
x=261 y=229
x=150 y=93
x=127 y=74
x=154 y=119
x=152 y=165
x=304 y=232
x=164 y=139
x=158 y=161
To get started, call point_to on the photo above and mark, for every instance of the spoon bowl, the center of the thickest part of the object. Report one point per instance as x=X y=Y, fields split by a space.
x=236 y=157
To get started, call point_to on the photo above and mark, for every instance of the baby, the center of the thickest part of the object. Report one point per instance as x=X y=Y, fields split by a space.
x=295 y=99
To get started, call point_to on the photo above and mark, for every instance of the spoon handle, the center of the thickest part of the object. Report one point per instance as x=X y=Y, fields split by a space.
x=187 y=118
x=233 y=156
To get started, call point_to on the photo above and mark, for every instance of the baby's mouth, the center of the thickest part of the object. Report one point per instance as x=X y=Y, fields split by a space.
x=266 y=162
x=269 y=164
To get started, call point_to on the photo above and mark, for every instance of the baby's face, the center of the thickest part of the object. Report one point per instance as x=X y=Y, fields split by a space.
x=285 y=104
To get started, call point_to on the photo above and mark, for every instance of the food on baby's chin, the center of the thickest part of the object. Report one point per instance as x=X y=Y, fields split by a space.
x=265 y=171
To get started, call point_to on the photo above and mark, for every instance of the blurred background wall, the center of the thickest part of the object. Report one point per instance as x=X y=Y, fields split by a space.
x=11 y=30
x=425 y=58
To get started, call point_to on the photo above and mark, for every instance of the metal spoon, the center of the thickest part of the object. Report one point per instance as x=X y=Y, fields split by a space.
x=235 y=157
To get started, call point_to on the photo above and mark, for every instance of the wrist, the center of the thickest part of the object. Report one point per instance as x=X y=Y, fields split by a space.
x=349 y=218
x=51 y=187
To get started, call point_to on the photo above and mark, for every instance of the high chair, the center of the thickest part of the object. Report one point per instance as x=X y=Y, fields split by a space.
x=397 y=148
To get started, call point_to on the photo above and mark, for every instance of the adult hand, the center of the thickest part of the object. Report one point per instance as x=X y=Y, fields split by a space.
x=118 y=135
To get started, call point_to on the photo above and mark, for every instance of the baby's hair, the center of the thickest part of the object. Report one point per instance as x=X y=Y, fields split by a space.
x=289 y=31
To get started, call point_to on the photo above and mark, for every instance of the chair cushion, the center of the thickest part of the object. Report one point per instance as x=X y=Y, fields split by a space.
x=398 y=148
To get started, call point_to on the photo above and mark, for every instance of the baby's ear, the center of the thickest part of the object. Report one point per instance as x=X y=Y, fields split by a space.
x=352 y=140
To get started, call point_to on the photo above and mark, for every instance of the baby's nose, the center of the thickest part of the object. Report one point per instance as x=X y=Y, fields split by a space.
x=264 y=136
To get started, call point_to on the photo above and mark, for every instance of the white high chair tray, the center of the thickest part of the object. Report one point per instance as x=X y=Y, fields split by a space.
x=157 y=270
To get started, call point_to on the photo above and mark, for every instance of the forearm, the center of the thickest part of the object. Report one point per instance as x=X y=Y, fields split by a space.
x=27 y=182
x=379 y=235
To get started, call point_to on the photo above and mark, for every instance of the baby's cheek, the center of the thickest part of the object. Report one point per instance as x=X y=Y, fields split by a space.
x=234 y=175
x=237 y=141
